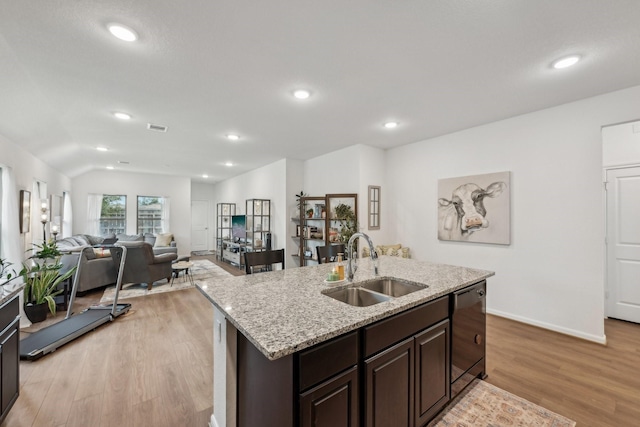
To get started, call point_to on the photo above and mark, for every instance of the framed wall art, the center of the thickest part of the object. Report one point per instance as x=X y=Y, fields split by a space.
x=475 y=208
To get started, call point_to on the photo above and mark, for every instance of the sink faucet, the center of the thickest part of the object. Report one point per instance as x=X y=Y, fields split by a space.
x=351 y=268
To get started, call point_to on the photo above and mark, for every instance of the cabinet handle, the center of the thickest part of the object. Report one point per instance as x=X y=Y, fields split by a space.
x=478 y=339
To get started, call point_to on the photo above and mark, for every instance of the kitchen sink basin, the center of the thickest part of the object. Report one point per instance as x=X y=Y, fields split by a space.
x=373 y=292
x=392 y=287
x=358 y=297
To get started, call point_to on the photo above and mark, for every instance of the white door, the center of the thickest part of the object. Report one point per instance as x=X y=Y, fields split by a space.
x=623 y=244
x=199 y=225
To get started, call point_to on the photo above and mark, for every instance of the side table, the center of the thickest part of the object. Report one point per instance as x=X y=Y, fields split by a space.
x=181 y=266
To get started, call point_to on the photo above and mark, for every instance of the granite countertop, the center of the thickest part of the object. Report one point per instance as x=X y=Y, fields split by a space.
x=9 y=291
x=284 y=311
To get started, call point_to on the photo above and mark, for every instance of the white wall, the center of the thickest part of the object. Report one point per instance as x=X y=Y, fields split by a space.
x=621 y=144
x=351 y=170
x=552 y=274
x=178 y=189
x=295 y=184
x=206 y=192
x=28 y=168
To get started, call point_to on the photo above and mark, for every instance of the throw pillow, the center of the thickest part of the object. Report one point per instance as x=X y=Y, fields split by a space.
x=163 y=239
x=101 y=253
x=82 y=240
x=391 y=251
x=130 y=237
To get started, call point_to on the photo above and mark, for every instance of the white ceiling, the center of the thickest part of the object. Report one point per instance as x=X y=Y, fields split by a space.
x=206 y=68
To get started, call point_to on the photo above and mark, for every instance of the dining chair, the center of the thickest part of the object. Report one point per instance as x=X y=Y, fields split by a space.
x=264 y=259
x=330 y=253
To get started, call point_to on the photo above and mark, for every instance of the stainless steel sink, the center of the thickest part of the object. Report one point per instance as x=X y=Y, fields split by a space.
x=358 y=297
x=392 y=287
x=373 y=292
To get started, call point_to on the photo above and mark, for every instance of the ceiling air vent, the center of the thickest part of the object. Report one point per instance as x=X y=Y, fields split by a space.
x=157 y=128
x=123 y=162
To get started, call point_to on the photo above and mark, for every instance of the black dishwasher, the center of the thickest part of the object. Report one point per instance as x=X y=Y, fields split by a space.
x=469 y=329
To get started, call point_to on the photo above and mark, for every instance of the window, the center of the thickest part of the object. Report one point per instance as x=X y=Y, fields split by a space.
x=113 y=214
x=374 y=207
x=152 y=214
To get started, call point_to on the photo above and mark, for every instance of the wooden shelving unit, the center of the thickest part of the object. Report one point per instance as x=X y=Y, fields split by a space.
x=321 y=226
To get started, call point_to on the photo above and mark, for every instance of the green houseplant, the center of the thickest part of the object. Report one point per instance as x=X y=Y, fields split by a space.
x=348 y=222
x=7 y=274
x=42 y=280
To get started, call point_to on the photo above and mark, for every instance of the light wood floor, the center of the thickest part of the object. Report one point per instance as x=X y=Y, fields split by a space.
x=153 y=367
x=592 y=384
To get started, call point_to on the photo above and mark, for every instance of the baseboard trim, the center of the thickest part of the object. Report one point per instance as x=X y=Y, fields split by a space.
x=566 y=331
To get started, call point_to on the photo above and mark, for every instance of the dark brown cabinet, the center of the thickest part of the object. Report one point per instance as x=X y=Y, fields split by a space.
x=9 y=356
x=333 y=403
x=408 y=384
x=389 y=387
x=392 y=373
x=432 y=388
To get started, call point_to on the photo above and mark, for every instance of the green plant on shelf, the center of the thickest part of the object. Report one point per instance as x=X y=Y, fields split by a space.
x=348 y=222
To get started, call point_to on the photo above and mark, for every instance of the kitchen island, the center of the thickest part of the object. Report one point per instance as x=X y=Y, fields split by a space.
x=278 y=338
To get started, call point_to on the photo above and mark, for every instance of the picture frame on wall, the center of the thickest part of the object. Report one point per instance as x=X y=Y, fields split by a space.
x=475 y=208
x=25 y=211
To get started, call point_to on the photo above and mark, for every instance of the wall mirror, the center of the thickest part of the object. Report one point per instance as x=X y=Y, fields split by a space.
x=374 y=207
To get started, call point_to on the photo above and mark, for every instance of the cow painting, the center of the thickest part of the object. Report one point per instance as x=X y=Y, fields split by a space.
x=464 y=212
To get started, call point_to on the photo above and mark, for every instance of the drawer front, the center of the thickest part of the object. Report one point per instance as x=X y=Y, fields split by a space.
x=8 y=312
x=322 y=362
x=387 y=332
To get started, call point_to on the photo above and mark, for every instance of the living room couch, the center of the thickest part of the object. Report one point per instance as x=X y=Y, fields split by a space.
x=98 y=269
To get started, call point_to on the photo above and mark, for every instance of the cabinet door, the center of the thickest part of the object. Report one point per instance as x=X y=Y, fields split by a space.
x=432 y=371
x=333 y=403
x=9 y=363
x=389 y=382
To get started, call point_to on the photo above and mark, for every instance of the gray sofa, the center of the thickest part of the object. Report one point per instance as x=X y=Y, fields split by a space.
x=142 y=265
x=98 y=269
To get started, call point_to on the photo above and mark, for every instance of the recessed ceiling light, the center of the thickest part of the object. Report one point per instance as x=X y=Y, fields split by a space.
x=301 y=94
x=228 y=164
x=110 y=167
x=233 y=137
x=122 y=32
x=391 y=125
x=566 y=62
x=122 y=116
x=204 y=175
x=102 y=149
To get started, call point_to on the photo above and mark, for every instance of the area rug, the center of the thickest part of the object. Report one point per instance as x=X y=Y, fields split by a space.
x=202 y=269
x=485 y=405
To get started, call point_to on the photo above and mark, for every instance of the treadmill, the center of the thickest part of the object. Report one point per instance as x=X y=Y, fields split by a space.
x=52 y=337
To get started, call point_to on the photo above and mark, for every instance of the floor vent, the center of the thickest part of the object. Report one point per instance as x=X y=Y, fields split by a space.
x=157 y=128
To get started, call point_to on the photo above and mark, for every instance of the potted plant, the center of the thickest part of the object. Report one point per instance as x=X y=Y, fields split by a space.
x=42 y=280
x=348 y=222
x=310 y=213
x=47 y=251
x=7 y=274
x=298 y=197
